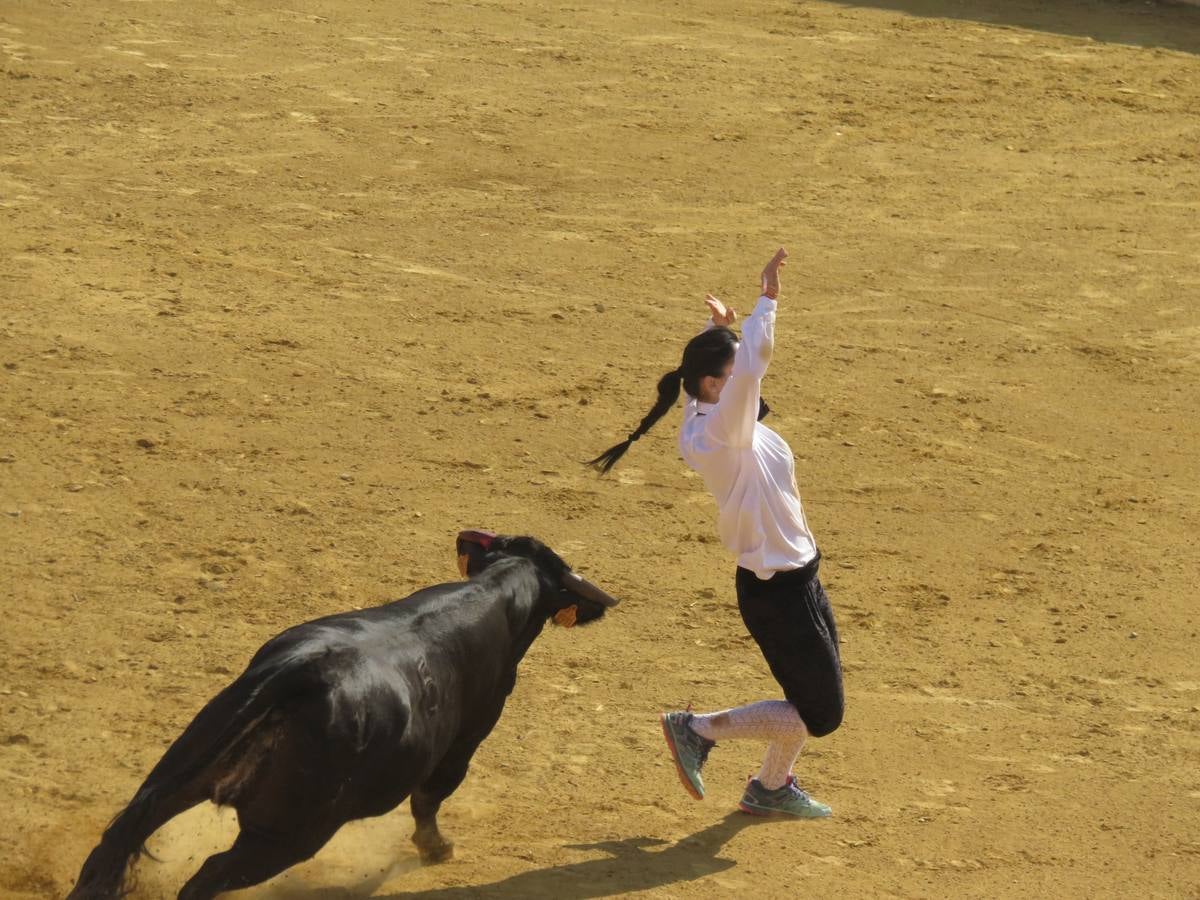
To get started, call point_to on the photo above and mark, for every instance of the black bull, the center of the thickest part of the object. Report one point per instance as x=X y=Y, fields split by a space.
x=344 y=717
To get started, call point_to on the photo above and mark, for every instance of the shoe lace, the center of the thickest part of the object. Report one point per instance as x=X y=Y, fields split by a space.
x=700 y=743
x=795 y=790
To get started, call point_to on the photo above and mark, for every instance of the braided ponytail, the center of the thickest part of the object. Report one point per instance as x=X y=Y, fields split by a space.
x=705 y=354
x=668 y=393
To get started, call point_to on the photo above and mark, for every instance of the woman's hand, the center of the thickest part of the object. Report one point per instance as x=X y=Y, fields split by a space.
x=770 y=274
x=721 y=314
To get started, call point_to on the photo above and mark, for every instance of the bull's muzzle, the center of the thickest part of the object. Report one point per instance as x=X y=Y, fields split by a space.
x=584 y=588
x=581 y=587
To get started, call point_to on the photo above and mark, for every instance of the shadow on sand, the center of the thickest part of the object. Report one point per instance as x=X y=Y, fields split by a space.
x=629 y=865
x=1170 y=26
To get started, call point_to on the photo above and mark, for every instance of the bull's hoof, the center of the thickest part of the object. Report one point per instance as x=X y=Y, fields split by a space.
x=436 y=851
x=439 y=854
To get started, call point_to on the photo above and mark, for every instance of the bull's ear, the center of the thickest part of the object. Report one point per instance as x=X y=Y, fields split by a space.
x=587 y=590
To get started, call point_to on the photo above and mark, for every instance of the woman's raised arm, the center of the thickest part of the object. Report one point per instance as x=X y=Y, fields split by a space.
x=732 y=422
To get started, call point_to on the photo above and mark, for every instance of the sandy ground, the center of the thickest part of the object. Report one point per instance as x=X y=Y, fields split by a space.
x=290 y=295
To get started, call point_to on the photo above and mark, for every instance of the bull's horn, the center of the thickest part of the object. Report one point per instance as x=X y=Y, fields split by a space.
x=588 y=591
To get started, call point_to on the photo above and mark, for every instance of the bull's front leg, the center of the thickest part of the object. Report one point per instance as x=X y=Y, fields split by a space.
x=432 y=846
x=426 y=799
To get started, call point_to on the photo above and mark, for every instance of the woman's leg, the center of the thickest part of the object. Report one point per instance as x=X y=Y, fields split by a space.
x=775 y=721
x=791 y=620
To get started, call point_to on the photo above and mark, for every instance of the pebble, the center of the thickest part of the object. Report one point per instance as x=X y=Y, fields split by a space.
x=73 y=668
x=74 y=488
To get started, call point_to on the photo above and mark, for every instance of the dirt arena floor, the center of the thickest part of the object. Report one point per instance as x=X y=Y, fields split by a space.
x=289 y=294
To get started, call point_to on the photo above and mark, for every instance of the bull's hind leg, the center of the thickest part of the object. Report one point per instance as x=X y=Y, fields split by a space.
x=253 y=858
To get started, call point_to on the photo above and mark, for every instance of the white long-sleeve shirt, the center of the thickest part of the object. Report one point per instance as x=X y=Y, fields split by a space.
x=746 y=466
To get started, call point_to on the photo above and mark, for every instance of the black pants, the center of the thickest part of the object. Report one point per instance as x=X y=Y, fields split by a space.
x=790 y=617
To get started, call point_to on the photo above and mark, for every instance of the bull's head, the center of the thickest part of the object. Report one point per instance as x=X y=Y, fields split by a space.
x=576 y=601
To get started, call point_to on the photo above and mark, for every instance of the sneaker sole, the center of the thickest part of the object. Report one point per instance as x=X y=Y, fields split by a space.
x=776 y=813
x=683 y=779
x=751 y=811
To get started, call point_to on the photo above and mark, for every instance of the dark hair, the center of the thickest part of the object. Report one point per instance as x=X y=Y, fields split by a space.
x=706 y=354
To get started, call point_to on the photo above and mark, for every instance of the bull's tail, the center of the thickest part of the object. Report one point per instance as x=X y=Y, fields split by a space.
x=103 y=875
x=182 y=778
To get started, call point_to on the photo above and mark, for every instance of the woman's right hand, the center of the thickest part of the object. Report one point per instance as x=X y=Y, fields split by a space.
x=721 y=314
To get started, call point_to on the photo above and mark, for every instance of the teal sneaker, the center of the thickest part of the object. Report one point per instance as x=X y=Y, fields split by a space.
x=788 y=800
x=688 y=749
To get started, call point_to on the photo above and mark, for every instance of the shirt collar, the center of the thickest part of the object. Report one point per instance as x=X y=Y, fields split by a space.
x=703 y=408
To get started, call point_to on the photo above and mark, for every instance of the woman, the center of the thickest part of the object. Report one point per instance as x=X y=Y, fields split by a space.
x=749 y=469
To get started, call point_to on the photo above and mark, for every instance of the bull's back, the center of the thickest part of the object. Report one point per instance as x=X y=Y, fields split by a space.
x=419 y=670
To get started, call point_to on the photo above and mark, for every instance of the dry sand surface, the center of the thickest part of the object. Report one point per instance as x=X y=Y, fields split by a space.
x=289 y=294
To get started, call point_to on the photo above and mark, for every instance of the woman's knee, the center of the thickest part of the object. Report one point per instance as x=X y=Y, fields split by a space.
x=823 y=720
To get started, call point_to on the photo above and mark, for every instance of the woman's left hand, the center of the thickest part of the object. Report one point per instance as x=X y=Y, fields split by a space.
x=721 y=314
